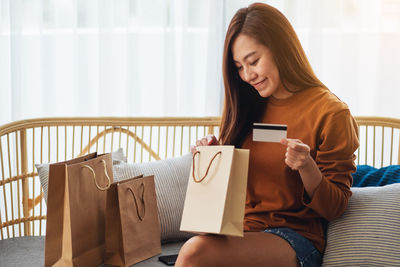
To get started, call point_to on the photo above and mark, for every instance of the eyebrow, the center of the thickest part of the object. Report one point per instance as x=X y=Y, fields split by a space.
x=245 y=57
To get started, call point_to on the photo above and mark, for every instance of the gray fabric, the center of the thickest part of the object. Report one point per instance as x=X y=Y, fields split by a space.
x=22 y=251
x=368 y=232
x=118 y=157
x=29 y=251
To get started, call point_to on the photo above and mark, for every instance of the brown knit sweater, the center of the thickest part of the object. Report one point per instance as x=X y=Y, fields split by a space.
x=275 y=193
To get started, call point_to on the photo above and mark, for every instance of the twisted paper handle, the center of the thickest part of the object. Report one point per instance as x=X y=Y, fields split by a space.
x=141 y=200
x=94 y=176
x=208 y=168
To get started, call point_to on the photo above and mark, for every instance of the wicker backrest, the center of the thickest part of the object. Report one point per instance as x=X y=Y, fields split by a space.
x=25 y=143
x=379 y=141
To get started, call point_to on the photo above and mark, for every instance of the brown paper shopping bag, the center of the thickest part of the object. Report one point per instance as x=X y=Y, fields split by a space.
x=133 y=231
x=76 y=211
x=216 y=192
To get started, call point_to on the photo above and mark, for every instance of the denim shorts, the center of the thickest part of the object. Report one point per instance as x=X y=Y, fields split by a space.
x=306 y=252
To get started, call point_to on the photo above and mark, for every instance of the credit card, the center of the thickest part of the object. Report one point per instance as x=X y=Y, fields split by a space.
x=266 y=132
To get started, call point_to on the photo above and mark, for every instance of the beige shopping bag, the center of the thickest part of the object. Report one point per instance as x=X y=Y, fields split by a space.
x=133 y=231
x=216 y=192
x=76 y=211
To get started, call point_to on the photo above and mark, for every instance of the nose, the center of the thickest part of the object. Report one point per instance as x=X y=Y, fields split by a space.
x=248 y=75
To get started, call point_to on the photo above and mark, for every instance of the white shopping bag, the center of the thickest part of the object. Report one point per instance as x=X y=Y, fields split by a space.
x=216 y=192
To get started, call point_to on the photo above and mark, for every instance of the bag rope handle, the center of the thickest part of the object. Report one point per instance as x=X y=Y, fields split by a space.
x=141 y=200
x=208 y=168
x=94 y=176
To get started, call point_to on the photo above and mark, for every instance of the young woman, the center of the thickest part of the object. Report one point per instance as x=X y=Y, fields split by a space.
x=297 y=185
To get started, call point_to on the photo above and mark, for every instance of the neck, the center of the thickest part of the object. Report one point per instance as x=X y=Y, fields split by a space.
x=282 y=93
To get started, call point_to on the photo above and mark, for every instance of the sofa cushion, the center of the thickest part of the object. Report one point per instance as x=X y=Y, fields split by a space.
x=118 y=157
x=369 y=176
x=368 y=232
x=29 y=251
x=171 y=177
x=22 y=251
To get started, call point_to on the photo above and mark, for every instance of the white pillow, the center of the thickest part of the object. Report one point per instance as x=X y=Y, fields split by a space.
x=118 y=157
x=171 y=177
x=368 y=232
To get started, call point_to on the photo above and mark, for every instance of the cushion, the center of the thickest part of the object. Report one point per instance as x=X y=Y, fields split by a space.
x=369 y=176
x=368 y=232
x=171 y=177
x=118 y=157
x=29 y=251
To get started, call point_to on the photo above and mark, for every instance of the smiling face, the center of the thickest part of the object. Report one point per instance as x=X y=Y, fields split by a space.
x=256 y=66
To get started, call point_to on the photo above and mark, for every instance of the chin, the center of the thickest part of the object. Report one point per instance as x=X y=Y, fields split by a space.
x=265 y=93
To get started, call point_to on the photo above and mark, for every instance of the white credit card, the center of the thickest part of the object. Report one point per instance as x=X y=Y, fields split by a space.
x=266 y=132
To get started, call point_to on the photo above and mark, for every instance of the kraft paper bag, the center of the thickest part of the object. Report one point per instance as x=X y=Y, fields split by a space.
x=133 y=231
x=216 y=192
x=76 y=211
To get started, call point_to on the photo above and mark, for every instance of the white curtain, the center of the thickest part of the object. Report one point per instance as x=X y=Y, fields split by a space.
x=110 y=58
x=353 y=47
x=163 y=57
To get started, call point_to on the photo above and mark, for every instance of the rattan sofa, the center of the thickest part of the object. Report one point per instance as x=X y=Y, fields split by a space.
x=27 y=142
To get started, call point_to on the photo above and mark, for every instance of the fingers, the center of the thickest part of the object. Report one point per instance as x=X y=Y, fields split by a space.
x=299 y=147
x=204 y=141
x=297 y=153
x=208 y=140
x=212 y=140
x=296 y=157
x=295 y=144
x=284 y=141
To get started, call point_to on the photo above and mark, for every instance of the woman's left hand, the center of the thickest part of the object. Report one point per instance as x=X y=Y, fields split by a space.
x=297 y=153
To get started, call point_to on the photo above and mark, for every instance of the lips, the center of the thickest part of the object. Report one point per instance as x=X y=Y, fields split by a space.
x=259 y=83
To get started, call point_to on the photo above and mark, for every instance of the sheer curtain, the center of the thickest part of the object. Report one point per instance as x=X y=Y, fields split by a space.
x=163 y=57
x=353 y=47
x=110 y=58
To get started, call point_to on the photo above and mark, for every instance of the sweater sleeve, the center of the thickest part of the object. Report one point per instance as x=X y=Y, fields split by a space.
x=338 y=140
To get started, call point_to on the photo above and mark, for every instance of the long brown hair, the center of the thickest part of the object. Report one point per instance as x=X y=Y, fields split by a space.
x=243 y=105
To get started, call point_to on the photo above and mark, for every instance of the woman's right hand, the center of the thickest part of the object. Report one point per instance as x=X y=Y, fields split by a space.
x=209 y=140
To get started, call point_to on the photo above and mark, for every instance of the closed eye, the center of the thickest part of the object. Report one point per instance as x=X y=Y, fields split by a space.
x=254 y=62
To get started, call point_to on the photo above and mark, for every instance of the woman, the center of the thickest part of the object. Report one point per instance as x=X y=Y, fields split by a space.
x=297 y=185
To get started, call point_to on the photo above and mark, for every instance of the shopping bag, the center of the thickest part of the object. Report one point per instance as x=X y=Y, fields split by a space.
x=133 y=231
x=216 y=191
x=76 y=211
